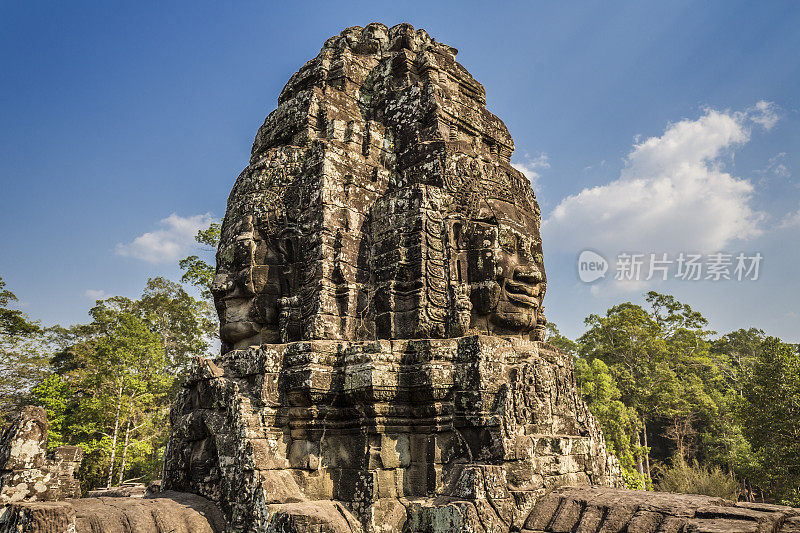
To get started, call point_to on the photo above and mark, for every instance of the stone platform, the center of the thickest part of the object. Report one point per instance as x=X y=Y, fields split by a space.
x=565 y=510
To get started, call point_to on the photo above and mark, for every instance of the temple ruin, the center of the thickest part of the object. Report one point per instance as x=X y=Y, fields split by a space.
x=380 y=284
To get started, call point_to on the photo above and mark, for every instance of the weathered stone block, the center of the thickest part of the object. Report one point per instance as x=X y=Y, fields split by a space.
x=27 y=471
x=395 y=450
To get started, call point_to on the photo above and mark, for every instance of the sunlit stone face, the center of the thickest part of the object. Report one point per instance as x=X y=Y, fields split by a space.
x=506 y=270
x=256 y=269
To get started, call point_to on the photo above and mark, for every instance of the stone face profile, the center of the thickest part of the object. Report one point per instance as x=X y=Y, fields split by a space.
x=379 y=284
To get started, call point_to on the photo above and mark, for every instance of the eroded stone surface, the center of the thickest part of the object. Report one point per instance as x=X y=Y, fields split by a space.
x=27 y=471
x=478 y=419
x=595 y=509
x=165 y=513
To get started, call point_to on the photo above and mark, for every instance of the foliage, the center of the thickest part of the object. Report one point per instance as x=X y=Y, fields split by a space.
x=692 y=478
x=23 y=359
x=184 y=324
x=735 y=354
x=619 y=422
x=198 y=272
x=728 y=407
x=634 y=480
x=770 y=417
x=555 y=338
x=660 y=361
x=112 y=379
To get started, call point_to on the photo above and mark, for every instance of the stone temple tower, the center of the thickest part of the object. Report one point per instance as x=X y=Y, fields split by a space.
x=379 y=285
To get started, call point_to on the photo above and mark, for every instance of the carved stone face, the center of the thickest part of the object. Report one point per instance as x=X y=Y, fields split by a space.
x=255 y=269
x=506 y=271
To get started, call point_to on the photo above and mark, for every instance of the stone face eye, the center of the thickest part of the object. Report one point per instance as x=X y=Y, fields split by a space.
x=532 y=252
x=507 y=240
x=525 y=248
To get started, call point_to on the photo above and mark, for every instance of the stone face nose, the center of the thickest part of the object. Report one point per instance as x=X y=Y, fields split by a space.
x=222 y=284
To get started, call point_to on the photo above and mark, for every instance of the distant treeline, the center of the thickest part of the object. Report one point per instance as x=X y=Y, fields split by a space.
x=686 y=410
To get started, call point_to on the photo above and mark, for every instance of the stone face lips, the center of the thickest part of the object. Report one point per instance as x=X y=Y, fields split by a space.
x=379 y=203
x=27 y=471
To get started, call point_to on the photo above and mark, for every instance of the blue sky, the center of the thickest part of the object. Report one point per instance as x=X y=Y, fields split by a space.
x=646 y=127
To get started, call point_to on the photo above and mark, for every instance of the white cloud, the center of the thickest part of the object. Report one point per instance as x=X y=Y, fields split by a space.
x=530 y=166
x=764 y=114
x=776 y=166
x=672 y=195
x=792 y=220
x=170 y=242
x=95 y=294
x=590 y=167
x=619 y=289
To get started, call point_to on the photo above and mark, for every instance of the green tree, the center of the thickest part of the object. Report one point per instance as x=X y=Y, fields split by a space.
x=23 y=359
x=770 y=416
x=113 y=379
x=110 y=371
x=661 y=363
x=620 y=423
x=131 y=360
x=736 y=353
x=184 y=324
x=724 y=441
x=196 y=271
x=555 y=338
x=627 y=340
